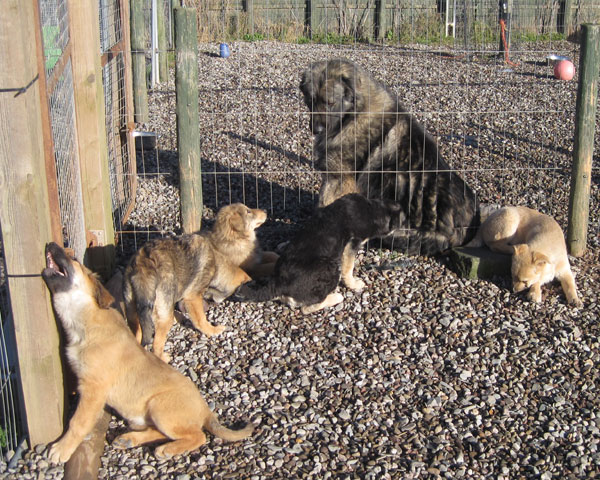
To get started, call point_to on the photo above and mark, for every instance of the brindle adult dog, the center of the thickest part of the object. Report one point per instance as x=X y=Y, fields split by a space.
x=367 y=142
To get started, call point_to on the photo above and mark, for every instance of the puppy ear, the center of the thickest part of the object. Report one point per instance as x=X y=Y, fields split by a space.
x=103 y=297
x=236 y=222
x=539 y=259
x=520 y=249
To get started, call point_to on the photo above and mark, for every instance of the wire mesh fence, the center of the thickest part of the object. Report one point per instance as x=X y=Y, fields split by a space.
x=55 y=31
x=496 y=120
x=122 y=179
x=62 y=115
x=11 y=425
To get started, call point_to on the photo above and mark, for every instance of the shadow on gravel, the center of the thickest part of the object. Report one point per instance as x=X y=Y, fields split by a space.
x=223 y=185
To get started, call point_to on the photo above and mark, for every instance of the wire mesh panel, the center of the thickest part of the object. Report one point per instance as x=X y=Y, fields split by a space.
x=11 y=425
x=55 y=30
x=62 y=115
x=113 y=79
x=110 y=24
x=121 y=178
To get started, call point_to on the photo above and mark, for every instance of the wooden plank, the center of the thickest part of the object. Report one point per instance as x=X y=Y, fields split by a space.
x=163 y=65
x=249 y=9
x=138 y=58
x=129 y=105
x=188 y=138
x=583 y=150
x=84 y=30
x=380 y=25
x=24 y=218
x=50 y=163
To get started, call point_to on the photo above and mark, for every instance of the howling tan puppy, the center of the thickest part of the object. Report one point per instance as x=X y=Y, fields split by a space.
x=113 y=369
x=537 y=246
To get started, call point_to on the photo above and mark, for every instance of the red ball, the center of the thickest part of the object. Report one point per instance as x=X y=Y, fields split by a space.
x=564 y=70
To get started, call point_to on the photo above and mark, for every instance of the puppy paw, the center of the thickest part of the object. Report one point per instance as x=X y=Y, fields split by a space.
x=59 y=453
x=534 y=296
x=575 y=302
x=215 y=330
x=122 y=442
x=165 y=357
x=354 y=283
x=163 y=452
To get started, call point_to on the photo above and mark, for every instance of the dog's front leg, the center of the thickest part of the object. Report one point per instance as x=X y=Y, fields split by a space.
x=567 y=283
x=195 y=308
x=535 y=293
x=348 y=257
x=89 y=409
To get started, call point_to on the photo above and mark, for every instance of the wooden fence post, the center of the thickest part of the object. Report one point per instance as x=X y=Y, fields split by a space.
x=583 y=150
x=249 y=9
x=163 y=64
x=188 y=139
x=138 y=60
x=380 y=20
x=308 y=18
x=566 y=25
x=25 y=222
x=91 y=135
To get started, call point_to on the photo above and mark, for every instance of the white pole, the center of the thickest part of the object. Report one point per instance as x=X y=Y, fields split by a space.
x=154 y=50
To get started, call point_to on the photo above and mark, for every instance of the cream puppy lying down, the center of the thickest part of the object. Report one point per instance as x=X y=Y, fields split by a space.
x=537 y=246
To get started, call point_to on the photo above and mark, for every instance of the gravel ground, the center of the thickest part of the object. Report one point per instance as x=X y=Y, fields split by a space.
x=423 y=374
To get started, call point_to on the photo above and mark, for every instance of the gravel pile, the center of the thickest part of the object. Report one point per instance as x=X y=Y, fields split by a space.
x=423 y=374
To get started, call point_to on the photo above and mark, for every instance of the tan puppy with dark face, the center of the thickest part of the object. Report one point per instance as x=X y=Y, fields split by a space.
x=537 y=246
x=113 y=369
x=186 y=268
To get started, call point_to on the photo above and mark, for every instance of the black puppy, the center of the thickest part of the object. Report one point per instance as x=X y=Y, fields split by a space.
x=309 y=269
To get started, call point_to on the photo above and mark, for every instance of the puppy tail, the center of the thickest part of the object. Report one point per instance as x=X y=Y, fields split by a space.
x=256 y=292
x=214 y=427
x=138 y=303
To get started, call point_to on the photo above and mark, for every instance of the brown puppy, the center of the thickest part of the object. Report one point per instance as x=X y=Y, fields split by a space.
x=113 y=369
x=189 y=267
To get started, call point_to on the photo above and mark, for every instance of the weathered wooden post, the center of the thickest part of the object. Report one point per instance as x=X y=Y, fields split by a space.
x=138 y=61
x=91 y=136
x=249 y=9
x=163 y=64
x=188 y=139
x=308 y=18
x=380 y=17
x=583 y=150
x=26 y=221
x=566 y=19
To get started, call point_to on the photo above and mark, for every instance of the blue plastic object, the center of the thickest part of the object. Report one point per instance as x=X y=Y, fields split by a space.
x=224 y=50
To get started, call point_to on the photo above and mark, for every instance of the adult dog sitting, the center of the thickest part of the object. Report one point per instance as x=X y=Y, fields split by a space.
x=367 y=142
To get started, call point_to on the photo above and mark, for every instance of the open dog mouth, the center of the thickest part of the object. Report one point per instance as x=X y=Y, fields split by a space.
x=52 y=266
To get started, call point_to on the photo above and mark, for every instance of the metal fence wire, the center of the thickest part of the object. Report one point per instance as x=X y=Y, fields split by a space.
x=62 y=116
x=54 y=19
x=11 y=426
x=442 y=58
x=113 y=79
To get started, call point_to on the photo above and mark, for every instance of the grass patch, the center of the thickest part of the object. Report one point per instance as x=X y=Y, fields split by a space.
x=334 y=38
x=253 y=37
x=536 y=37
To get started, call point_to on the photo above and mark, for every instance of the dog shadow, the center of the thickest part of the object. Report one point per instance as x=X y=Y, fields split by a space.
x=222 y=185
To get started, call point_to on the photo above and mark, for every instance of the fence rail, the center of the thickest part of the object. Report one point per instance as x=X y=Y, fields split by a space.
x=291 y=20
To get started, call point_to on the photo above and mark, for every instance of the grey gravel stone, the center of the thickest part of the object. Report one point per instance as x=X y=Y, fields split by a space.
x=423 y=374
